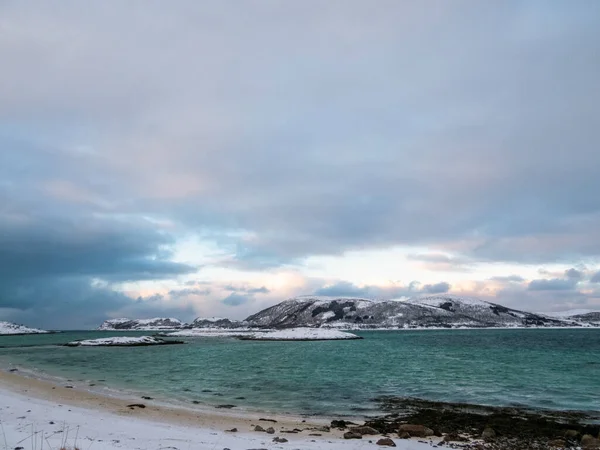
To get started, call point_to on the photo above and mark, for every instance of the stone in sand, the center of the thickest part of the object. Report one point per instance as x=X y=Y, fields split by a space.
x=415 y=430
x=340 y=424
x=259 y=428
x=386 y=442
x=454 y=437
x=364 y=430
x=572 y=434
x=352 y=435
x=279 y=440
x=488 y=434
x=233 y=430
x=136 y=405
x=404 y=435
x=589 y=442
x=270 y=430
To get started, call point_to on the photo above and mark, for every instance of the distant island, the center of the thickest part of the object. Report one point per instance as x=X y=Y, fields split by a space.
x=350 y=313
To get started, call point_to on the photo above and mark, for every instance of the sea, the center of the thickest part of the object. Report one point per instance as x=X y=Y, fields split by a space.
x=555 y=369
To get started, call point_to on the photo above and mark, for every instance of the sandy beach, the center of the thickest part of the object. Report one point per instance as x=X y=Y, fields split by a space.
x=37 y=414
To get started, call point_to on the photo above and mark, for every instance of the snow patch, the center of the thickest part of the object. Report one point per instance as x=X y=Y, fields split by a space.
x=303 y=334
x=13 y=328
x=118 y=341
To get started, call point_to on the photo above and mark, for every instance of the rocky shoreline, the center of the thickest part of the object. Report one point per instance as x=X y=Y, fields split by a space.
x=456 y=425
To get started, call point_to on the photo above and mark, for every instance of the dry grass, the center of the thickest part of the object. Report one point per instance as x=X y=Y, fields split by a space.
x=40 y=440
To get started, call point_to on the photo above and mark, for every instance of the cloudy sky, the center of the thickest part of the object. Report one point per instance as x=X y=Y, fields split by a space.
x=200 y=158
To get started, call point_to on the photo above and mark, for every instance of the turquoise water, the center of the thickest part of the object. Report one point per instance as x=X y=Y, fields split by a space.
x=554 y=369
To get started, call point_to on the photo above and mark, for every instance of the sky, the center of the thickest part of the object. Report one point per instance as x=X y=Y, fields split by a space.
x=212 y=158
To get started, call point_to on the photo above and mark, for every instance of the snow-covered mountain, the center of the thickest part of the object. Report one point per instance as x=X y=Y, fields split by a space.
x=158 y=323
x=13 y=328
x=438 y=311
x=216 y=322
x=591 y=318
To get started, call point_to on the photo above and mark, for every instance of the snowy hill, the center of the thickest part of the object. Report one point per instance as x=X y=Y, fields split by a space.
x=438 y=311
x=591 y=318
x=13 y=328
x=158 y=323
x=215 y=322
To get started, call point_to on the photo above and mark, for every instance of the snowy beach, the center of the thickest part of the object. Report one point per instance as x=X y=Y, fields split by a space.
x=35 y=414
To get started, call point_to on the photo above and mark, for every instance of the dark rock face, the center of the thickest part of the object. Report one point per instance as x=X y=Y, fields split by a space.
x=386 y=442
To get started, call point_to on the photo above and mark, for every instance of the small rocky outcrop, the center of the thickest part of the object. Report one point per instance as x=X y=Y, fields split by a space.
x=415 y=430
x=589 y=442
x=488 y=434
x=352 y=435
x=386 y=442
x=362 y=430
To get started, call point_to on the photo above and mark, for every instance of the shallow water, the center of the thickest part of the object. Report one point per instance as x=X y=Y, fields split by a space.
x=555 y=369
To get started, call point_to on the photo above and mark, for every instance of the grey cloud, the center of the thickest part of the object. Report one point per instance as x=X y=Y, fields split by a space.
x=234 y=299
x=554 y=284
x=574 y=274
x=77 y=304
x=509 y=279
x=344 y=289
x=96 y=248
x=374 y=153
x=438 y=288
x=176 y=293
x=595 y=278
x=246 y=289
x=315 y=130
x=348 y=289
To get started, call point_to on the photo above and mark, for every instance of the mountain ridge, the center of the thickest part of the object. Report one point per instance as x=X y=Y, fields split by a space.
x=432 y=311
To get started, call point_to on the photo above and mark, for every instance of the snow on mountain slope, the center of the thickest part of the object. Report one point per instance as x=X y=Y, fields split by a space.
x=591 y=318
x=438 y=311
x=215 y=322
x=13 y=328
x=158 y=323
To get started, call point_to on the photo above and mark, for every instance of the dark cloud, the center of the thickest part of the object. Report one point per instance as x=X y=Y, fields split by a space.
x=341 y=136
x=348 y=289
x=438 y=288
x=341 y=160
x=234 y=299
x=176 y=293
x=345 y=289
x=509 y=279
x=246 y=289
x=595 y=278
x=554 y=284
x=76 y=303
x=574 y=274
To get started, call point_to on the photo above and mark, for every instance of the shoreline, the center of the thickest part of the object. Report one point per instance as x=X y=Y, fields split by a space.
x=31 y=408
